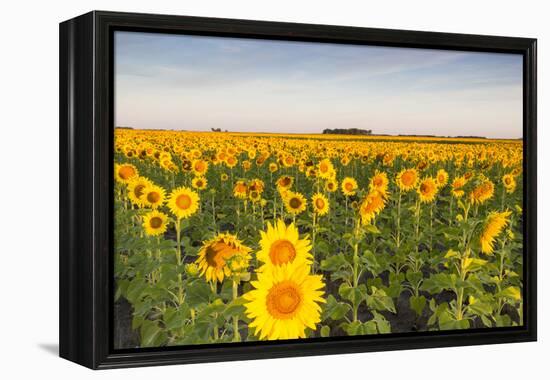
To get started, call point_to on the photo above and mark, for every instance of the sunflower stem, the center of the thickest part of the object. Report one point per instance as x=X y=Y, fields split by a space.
x=356 y=265
x=236 y=334
x=313 y=240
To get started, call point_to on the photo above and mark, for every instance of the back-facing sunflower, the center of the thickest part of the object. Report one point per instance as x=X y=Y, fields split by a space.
x=222 y=256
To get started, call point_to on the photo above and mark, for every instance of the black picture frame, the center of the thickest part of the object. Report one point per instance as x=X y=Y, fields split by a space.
x=86 y=183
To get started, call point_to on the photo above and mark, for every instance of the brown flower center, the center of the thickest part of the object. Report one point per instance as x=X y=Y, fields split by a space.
x=153 y=197
x=295 y=203
x=155 y=222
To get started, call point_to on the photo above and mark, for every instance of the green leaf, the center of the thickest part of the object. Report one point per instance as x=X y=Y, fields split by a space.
x=235 y=308
x=333 y=263
x=417 y=304
x=151 y=334
x=176 y=318
x=379 y=300
x=325 y=331
x=198 y=292
x=335 y=310
x=354 y=295
x=371 y=262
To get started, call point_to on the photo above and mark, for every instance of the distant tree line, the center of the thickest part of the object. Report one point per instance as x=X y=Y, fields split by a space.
x=347 y=131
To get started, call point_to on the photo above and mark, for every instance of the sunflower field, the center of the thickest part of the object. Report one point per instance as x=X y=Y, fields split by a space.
x=228 y=237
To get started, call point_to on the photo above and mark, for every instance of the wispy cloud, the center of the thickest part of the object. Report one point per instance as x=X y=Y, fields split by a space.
x=167 y=81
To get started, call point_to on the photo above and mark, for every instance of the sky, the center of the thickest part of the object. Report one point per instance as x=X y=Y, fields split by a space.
x=184 y=82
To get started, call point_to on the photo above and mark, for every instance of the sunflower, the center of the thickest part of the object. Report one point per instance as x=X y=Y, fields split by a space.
x=273 y=167
x=224 y=177
x=246 y=165
x=295 y=203
x=379 y=183
x=320 y=204
x=509 y=183
x=331 y=186
x=482 y=192
x=494 y=224
x=222 y=256
x=153 y=196
x=457 y=185
x=349 y=186
x=427 y=190
x=231 y=161
x=135 y=189
x=125 y=172
x=285 y=182
x=284 y=302
x=288 y=161
x=240 y=190
x=371 y=206
x=281 y=244
x=155 y=223
x=256 y=185
x=183 y=202
x=199 y=183
x=442 y=177
x=254 y=196
x=325 y=169
x=199 y=167
x=407 y=179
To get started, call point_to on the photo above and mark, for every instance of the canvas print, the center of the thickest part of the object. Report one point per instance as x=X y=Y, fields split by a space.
x=284 y=190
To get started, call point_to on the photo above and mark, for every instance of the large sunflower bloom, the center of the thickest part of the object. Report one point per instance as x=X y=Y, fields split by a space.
x=200 y=167
x=509 y=183
x=281 y=244
x=407 y=179
x=457 y=185
x=482 y=192
x=199 y=183
x=240 y=190
x=183 y=202
x=325 y=169
x=494 y=224
x=442 y=177
x=427 y=190
x=349 y=186
x=379 y=183
x=136 y=186
x=285 y=182
x=284 y=302
x=222 y=256
x=153 y=196
x=295 y=203
x=125 y=172
x=371 y=206
x=320 y=204
x=155 y=223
